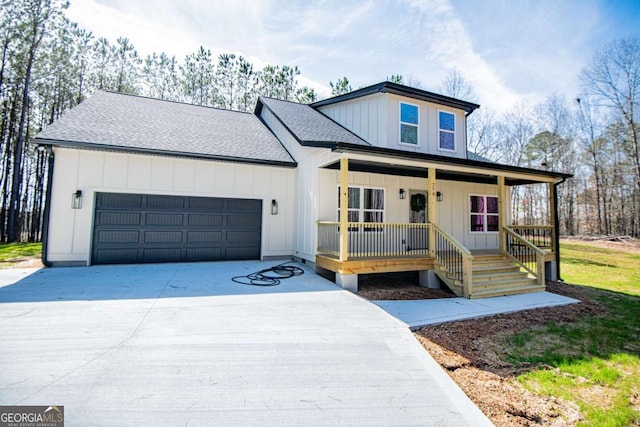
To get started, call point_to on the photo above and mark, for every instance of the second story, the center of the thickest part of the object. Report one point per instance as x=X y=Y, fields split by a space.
x=395 y=116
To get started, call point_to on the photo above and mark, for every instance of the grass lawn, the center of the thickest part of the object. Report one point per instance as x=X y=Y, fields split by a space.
x=595 y=361
x=13 y=252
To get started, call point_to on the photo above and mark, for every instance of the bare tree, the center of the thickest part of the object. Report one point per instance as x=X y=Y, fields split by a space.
x=613 y=78
x=456 y=86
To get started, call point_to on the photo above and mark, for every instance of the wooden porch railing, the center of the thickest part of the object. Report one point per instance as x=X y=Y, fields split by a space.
x=528 y=255
x=542 y=236
x=375 y=239
x=453 y=257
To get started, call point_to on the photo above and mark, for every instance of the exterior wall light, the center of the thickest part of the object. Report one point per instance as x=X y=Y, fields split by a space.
x=438 y=196
x=403 y=194
x=76 y=200
x=274 y=207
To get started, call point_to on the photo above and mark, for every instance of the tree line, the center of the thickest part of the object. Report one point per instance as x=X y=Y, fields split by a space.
x=49 y=65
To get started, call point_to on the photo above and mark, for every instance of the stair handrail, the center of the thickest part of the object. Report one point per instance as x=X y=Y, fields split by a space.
x=467 y=260
x=539 y=272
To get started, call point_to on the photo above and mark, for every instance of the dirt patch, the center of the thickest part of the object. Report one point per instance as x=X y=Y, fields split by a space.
x=397 y=286
x=28 y=262
x=624 y=243
x=468 y=352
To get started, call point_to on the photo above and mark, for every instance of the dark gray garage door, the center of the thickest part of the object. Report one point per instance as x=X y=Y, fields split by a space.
x=138 y=228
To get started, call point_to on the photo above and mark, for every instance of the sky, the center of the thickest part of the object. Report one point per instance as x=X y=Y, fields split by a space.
x=510 y=51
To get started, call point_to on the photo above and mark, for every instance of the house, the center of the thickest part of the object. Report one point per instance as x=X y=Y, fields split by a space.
x=376 y=180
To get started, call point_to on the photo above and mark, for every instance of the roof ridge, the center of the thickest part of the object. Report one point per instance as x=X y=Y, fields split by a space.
x=150 y=98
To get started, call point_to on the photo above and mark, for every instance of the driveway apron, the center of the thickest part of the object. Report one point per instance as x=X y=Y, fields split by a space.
x=181 y=344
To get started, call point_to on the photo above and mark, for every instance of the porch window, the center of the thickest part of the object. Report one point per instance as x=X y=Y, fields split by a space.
x=484 y=214
x=365 y=205
x=447 y=130
x=409 y=118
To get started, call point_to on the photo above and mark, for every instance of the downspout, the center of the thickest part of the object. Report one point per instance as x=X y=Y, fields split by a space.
x=556 y=226
x=47 y=207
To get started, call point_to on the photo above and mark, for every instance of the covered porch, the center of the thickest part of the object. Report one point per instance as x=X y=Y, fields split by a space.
x=521 y=260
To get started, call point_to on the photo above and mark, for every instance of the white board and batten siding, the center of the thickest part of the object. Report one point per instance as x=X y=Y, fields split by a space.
x=101 y=171
x=376 y=119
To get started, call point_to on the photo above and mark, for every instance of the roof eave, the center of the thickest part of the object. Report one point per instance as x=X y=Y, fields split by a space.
x=168 y=153
x=398 y=89
x=344 y=147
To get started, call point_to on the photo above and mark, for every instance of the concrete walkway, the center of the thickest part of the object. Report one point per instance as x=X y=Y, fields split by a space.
x=418 y=313
x=180 y=344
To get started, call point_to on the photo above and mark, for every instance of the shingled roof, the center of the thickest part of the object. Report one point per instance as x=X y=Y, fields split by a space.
x=307 y=125
x=109 y=120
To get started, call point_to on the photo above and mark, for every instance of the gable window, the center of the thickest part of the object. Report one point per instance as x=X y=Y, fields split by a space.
x=446 y=131
x=409 y=120
x=365 y=205
x=483 y=211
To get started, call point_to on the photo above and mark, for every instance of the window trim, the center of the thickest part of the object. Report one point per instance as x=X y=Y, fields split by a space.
x=484 y=214
x=416 y=125
x=453 y=132
x=361 y=210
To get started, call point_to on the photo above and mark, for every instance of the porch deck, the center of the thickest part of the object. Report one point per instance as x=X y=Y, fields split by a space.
x=473 y=274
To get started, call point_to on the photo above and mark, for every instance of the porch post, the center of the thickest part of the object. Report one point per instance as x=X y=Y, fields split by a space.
x=344 y=208
x=431 y=209
x=502 y=215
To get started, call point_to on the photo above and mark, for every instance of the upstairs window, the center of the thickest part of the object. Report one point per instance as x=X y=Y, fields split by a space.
x=446 y=131
x=409 y=115
x=484 y=214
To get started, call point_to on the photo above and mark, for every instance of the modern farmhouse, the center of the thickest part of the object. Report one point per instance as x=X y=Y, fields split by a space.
x=376 y=180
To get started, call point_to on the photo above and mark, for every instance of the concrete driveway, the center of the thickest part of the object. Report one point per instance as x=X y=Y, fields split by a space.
x=180 y=344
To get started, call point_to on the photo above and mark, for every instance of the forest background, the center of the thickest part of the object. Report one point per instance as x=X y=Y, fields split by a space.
x=49 y=64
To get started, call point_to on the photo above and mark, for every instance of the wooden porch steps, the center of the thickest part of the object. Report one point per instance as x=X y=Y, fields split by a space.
x=493 y=275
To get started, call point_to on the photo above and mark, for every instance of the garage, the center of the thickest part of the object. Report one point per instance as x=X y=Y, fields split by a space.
x=144 y=228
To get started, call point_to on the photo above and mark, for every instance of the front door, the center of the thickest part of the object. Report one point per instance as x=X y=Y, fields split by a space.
x=418 y=238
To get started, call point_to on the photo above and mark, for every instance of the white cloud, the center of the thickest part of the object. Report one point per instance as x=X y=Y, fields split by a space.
x=508 y=53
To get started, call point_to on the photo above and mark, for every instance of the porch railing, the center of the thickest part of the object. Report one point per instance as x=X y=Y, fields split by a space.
x=528 y=255
x=542 y=236
x=453 y=257
x=375 y=239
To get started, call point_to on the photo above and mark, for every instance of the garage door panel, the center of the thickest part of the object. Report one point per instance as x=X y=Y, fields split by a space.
x=118 y=236
x=154 y=228
x=166 y=202
x=204 y=254
x=244 y=205
x=204 y=236
x=206 y=204
x=211 y=220
x=164 y=219
x=241 y=236
x=119 y=201
x=112 y=256
x=160 y=254
x=119 y=218
x=244 y=221
x=241 y=253
x=162 y=237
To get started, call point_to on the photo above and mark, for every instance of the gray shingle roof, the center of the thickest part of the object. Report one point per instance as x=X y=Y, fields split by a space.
x=309 y=125
x=112 y=120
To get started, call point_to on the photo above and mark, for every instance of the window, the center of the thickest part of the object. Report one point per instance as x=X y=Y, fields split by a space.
x=365 y=205
x=447 y=131
x=409 y=117
x=484 y=214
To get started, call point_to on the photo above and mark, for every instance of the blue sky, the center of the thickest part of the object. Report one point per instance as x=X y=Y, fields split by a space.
x=510 y=50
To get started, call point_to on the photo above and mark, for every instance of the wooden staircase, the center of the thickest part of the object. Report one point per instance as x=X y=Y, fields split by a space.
x=493 y=275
